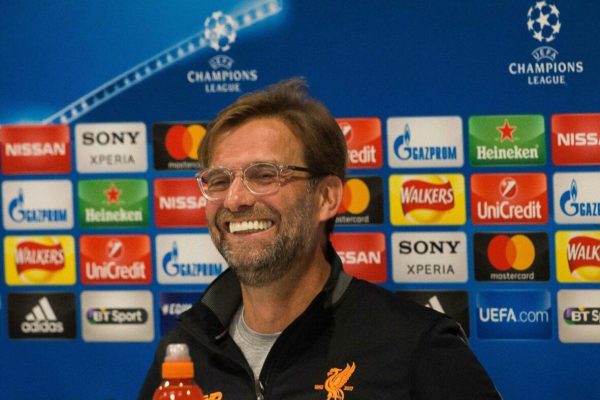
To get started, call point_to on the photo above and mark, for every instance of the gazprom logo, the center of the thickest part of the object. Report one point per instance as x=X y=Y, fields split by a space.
x=404 y=151
x=173 y=267
x=18 y=213
x=572 y=208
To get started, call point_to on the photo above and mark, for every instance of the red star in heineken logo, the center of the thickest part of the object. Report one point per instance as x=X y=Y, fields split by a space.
x=112 y=194
x=506 y=130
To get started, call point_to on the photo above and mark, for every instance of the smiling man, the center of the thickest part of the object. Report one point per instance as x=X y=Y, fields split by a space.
x=285 y=322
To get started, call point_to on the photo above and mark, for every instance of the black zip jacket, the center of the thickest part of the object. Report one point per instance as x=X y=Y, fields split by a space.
x=354 y=341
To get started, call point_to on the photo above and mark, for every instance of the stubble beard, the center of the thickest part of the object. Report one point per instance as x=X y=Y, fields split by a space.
x=257 y=265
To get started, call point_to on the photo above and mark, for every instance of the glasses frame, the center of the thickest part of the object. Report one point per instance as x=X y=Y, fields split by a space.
x=281 y=175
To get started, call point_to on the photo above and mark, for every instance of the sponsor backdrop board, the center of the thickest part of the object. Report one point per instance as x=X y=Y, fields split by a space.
x=473 y=133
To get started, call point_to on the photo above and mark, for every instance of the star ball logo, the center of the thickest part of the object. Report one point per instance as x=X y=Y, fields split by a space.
x=543 y=22
x=363 y=137
x=220 y=32
x=427 y=199
x=176 y=145
x=362 y=201
x=35 y=149
x=363 y=255
x=511 y=256
x=39 y=260
x=578 y=256
x=118 y=203
x=577 y=198
x=575 y=139
x=507 y=140
x=506 y=199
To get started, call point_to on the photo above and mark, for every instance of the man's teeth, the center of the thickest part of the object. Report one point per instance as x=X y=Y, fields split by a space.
x=249 y=226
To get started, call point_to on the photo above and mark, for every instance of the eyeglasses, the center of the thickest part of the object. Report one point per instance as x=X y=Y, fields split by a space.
x=260 y=178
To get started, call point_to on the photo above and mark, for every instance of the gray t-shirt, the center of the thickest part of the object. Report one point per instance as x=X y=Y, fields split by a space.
x=254 y=345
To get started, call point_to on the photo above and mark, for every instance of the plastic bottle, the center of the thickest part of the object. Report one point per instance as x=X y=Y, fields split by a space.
x=178 y=376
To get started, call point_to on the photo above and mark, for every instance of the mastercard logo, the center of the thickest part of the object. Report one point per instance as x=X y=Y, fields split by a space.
x=356 y=197
x=183 y=141
x=506 y=252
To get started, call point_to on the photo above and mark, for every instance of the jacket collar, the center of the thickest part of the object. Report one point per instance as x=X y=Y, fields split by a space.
x=223 y=297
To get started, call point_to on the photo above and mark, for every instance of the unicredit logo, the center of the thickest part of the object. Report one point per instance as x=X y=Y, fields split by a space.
x=115 y=259
x=363 y=138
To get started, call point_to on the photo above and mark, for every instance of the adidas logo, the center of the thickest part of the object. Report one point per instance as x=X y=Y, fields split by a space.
x=42 y=319
x=435 y=304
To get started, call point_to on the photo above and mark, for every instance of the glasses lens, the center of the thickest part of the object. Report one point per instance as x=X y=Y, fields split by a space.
x=262 y=178
x=215 y=182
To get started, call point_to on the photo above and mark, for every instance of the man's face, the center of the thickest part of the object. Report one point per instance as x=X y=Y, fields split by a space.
x=261 y=237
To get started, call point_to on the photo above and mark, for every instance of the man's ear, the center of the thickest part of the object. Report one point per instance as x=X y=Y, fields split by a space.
x=331 y=191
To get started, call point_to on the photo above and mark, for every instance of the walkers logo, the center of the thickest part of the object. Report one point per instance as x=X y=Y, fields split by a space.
x=514 y=314
x=113 y=203
x=454 y=303
x=172 y=304
x=176 y=145
x=507 y=140
x=37 y=205
x=363 y=255
x=429 y=257
x=112 y=147
x=362 y=202
x=178 y=203
x=39 y=260
x=577 y=198
x=576 y=139
x=41 y=315
x=579 y=316
x=115 y=259
x=427 y=199
x=336 y=381
x=363 y=137
x=544 y=25
x=117 y=316
x=511 y=256
x=425 y=142
x=189 y=258
x=577 y=256
x=509 y=199
x=35 y=149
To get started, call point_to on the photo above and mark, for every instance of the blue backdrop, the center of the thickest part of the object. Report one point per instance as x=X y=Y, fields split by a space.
x=363 y=59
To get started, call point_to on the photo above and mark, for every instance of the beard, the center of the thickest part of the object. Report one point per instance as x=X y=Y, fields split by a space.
x=259 y=264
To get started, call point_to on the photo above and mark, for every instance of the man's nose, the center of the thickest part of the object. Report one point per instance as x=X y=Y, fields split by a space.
x=238 y=195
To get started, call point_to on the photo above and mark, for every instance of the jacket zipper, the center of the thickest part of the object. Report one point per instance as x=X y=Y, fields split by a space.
x=258 y=389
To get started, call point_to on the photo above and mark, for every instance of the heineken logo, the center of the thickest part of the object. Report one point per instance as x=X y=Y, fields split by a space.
x=505 y=140
x=113 y=203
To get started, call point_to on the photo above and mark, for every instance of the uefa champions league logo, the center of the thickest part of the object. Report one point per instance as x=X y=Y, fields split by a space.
x=220 y=31
x=543 y=21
